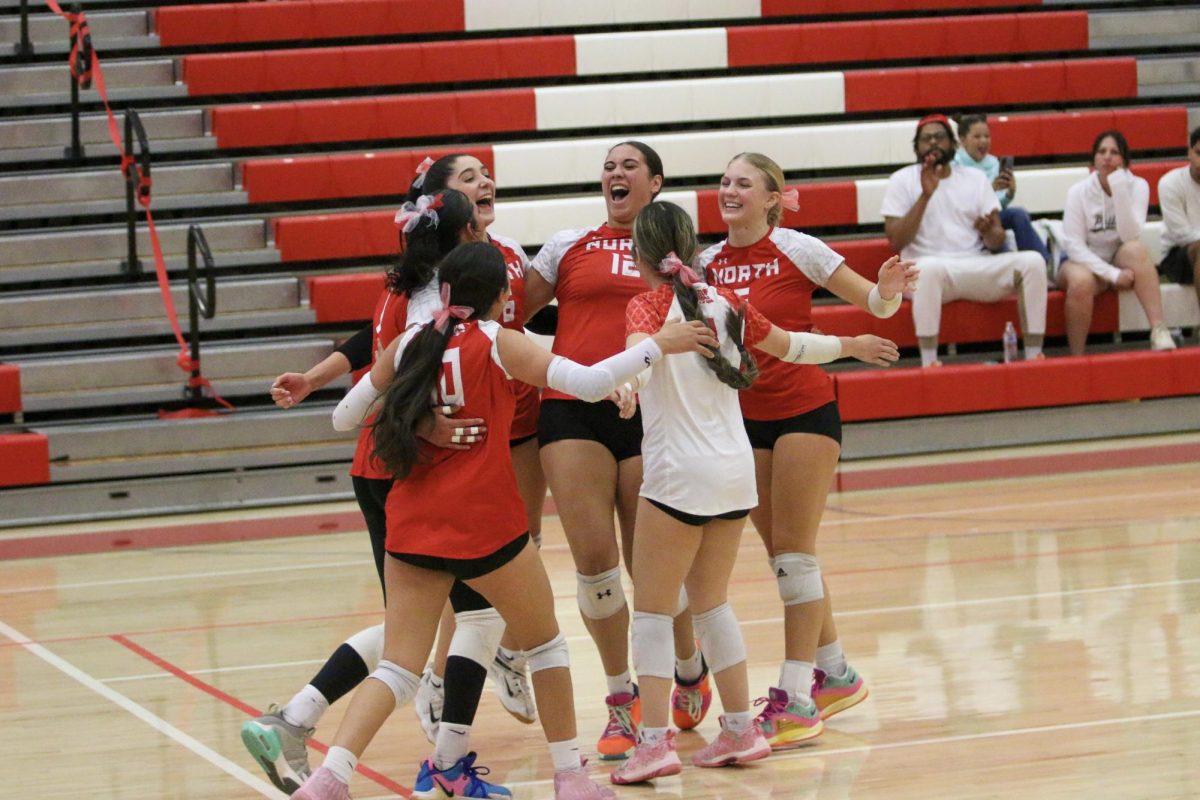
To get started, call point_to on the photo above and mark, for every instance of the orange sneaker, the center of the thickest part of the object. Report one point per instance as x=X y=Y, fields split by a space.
x=624 y=717
x=690 y=701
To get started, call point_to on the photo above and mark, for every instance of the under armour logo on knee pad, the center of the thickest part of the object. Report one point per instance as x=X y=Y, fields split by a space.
x=604 y=594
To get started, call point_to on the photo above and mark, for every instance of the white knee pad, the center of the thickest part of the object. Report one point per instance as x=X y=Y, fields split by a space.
x=682 y=605
x=600 y=596
x=653 y=645
x=720 y=638
x=799 y=577
x=477 y=635
x=550 y=655
x=402 y=682
x=368 y=643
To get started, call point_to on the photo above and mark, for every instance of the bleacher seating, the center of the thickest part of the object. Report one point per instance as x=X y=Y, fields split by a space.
x=288 y=130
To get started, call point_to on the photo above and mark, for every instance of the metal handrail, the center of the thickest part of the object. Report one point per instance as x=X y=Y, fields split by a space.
x=199 y=304
x=83 y=67
x=24 y=48
x=138 y=170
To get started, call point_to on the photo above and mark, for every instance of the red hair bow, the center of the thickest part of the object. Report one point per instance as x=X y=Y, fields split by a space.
x=790 y=200
x=422 y=168
x=410 y=214
x=671 y=265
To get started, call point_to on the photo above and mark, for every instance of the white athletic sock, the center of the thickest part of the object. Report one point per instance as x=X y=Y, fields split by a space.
x=620 y=684
x=565 y=756
x=831 y=659
x=652 y=735
x=739 y=721
x=928 y=355
x=1032 y=351
x=341 y=762
x=453 y=742
x=795 y=678
x=689 y=670
x=306 y=708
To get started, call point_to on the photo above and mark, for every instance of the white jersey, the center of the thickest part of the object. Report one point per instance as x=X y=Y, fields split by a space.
x=948 y=226
x=1179 y=196
x=696 y=457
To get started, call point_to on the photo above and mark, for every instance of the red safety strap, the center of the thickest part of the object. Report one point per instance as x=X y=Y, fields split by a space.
x=81 y=49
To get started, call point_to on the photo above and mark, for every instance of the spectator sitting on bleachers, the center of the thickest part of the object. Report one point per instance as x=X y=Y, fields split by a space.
x=976 y=139
x=1102 y=225
x=946 y=218
x=1179 y=196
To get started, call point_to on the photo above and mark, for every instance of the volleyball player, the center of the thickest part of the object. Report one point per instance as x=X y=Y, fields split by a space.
x=459 y=515
x=592 y=457
x=792 y=421
x=277 y=739
x=699 y=485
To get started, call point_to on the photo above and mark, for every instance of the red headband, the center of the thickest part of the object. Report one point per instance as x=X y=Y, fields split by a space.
x=928 y=118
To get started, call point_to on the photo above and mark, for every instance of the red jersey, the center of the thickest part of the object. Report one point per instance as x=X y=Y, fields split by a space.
x=778 y=274
x=391 y=311
x=526 y=418
x=463 y=503
x=594 y=278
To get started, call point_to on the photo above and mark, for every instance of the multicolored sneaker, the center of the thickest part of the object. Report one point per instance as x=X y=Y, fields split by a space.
x=428 y=704
x=511 y=678
x=461 y=780
x=731 y=747
x=650 y=760
x=624 y=717
x=690 y=701
x=837 y=694
x=322 y=785
x=786 y=723
x=279 y=748
x=574 y=784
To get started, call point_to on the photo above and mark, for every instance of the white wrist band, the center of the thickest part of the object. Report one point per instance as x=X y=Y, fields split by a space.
x=883 y=308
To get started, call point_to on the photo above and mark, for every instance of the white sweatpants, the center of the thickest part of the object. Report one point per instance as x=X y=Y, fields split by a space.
x=984 y=278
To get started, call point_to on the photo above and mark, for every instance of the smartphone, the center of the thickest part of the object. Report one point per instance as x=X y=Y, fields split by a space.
x=1006 y=163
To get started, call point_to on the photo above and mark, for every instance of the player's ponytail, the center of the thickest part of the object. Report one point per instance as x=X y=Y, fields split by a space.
x=475 y=275
x=663 y=236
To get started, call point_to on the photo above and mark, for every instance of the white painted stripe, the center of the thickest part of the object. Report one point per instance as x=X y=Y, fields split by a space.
x=650 y=51
x=704 y=154
x=690 y=99
x=483 y=15
x=309 y=662
x=162 y=726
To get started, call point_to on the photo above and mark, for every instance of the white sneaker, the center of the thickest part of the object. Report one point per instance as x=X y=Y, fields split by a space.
x=511 y=680
x=1160 y=338
x=428 y=705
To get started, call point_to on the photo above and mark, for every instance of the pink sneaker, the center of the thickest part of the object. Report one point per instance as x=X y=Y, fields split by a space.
x=733 y=748
x=649 y=760
x=322 y=785
x=574 y=784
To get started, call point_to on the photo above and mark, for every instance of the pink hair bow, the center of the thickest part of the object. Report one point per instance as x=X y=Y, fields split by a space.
x=442 y=317
x=410 y=214
x=790 y=200
x=422 y=168
x=671 y=265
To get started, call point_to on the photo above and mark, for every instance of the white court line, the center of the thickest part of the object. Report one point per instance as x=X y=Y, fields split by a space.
x=162 y=726
x=860 y=518
x=215 y=671
x=819 y=752
x=857 y=518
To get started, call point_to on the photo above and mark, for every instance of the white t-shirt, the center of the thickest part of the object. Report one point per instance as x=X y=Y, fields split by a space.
x=948 y=227
x=1179 y=197
x=696 y=457
x=1095 y=225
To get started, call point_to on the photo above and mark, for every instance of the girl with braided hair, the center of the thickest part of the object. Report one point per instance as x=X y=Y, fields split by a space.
x=698 y=484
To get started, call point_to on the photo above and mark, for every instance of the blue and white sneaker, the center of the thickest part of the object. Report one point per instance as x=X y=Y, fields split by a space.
x=461 y=780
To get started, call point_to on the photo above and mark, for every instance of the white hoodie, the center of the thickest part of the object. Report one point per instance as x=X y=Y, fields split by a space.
x=1095 y=225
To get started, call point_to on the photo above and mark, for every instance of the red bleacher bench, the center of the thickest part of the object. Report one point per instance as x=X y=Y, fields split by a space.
x=345 y=298
x=24 y=459
x=10 y=388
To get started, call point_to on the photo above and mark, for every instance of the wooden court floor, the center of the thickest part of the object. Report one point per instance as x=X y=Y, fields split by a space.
x=1022 y=638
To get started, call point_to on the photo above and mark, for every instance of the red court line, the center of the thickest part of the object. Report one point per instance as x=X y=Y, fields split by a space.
x=181 y=535
x=245 y=708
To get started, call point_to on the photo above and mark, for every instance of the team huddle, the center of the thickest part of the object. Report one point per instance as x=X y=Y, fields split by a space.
x=681 y=397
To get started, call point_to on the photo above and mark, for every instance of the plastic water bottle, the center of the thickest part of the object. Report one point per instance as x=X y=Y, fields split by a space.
x=1010 y=342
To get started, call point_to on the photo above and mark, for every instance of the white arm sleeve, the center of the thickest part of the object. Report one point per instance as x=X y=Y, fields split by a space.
x=600 y=380
x=1131 y=198
x=812 y=348
x=883 y=308
x=356 y=405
